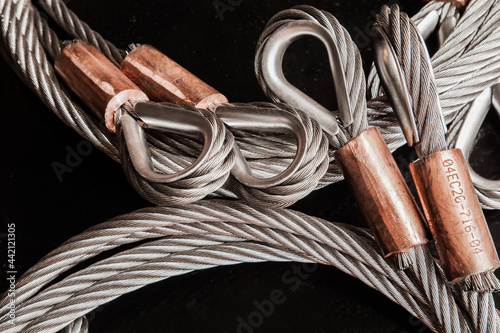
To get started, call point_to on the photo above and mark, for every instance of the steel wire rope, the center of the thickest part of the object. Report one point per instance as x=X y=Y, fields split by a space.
x=466 y=300
x=185 y=190
x=351 y=64
x=466 y=64
x=176 y=158
x=477 y=30
x=280 y=234
x=262 y=156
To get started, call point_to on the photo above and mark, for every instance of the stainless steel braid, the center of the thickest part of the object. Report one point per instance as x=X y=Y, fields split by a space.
x=212 y=233
x=207 y=179
x=404 y=38
x=303 y=181
x=169 y=154
x=466 y=64
x=474 y=44
x=80 y=30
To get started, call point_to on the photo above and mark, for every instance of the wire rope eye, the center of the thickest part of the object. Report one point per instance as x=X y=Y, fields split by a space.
x=443 y=22
x=274 y=48
x=470 y=129
x=264 y=120
x=162 y=79
x=168 y=118
x=393 y=81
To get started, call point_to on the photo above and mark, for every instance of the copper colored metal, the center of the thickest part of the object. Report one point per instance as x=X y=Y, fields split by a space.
x=164 y=80
x=455 y=218
x=381 y=192
x=96 y=81
x=460 y=4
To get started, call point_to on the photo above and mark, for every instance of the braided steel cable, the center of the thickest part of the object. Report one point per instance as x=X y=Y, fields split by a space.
x=303 y=181
x=374 y=85
x=483 y=305
x=476 y=33
x=177 y=153
x=219 y=232
x=466 y=64
x=351 y=64
x=27 y=56
x=404 y=35
x=212 y=175
x=254 y=145
x=80 y=325
x=80 y=30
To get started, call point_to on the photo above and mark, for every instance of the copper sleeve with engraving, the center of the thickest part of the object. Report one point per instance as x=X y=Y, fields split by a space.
x=381 y=192
x=96 y=81
x=164 y=80
x=456 y=220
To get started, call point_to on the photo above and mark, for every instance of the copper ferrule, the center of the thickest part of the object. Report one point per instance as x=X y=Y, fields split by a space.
x=164 y=80
x=381 y=192
x=455 y=218
x=96 y=81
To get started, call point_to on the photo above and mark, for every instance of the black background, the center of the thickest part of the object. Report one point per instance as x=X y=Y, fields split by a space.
x=220 y=50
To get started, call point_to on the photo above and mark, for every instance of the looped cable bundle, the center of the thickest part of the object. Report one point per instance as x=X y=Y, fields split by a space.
x=309 y=147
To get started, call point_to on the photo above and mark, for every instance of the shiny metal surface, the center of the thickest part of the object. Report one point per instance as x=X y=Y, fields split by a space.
x=470 y=128
x=455 y=217
x=431 y=22
x=381 y=192
x=428 y=25
x=161 y=117
x=394 y=84
x=272 y=72
x=96 y=81
x=447 y=26
x=165 y=80
x=263 y=120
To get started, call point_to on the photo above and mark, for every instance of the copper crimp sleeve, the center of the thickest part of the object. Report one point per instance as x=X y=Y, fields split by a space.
x=96 y=81
x=381 y=192
x=455 y=218
x=164 y=80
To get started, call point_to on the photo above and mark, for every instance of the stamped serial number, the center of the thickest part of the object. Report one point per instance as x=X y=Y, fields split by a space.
x=459 y=197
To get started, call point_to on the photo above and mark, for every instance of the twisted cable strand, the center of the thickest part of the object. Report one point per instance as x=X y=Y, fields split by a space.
x=303 y=181
x=350 y=57
x=415 y=64
x=158 y=222
x=466 y=64
x=353 y=72
x=75 y=27
x=27 y=55
x=79 y=325
x=352 y=250
x=205 y=180
x=215 y=173
x=3 y=21
x=475 y=26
